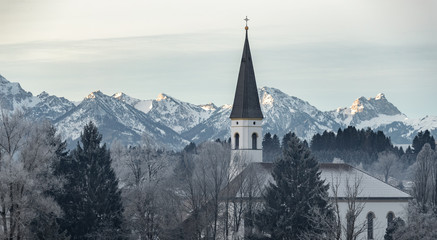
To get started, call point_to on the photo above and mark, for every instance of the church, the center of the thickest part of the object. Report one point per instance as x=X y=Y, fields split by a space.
x=379 y=202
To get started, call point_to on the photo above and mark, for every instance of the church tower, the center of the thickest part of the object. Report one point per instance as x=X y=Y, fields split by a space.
x=246 y=116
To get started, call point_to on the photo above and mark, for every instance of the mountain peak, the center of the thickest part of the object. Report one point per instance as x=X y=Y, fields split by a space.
x=43 y=95
x=208 y=106
x=94 y=94
x=380 y=96
x=162 y=96
x=119 y=95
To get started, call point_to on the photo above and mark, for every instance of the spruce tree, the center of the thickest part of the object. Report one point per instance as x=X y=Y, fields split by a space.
x=297 y=192
x=421 y=139
x=267 y=147
x=91 y=201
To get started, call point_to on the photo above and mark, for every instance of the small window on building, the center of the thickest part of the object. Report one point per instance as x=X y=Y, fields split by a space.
x=237 y=141
x=390 y=217
x=237 y=123
x=254 y=140
x=254 y=123
x=370 y=217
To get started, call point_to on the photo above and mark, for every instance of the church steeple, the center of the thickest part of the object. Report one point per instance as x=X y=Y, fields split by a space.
x=246 y=101
x=246 y=116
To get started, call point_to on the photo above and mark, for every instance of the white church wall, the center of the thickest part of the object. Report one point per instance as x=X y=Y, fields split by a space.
x=380 y=208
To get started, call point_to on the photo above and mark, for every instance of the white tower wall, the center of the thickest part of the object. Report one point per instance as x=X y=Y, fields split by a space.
x=245 y=128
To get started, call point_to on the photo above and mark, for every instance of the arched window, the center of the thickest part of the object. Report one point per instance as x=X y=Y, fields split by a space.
x=370 y=217
x=390 y=217
x=254 y=138
x=237 y=141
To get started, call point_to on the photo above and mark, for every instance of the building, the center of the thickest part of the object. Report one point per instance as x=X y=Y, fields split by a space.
x=379 y=202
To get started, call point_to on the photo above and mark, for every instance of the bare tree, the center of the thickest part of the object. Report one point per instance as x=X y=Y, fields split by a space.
x=206 y=179
x=142 y=170
x=387 y=164
x=337 y=226
x=354 y=208
x=26 y=174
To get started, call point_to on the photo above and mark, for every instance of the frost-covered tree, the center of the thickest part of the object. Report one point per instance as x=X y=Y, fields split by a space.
x=210 y=174
x=419 y=225
x=353 y=229
x=147 y=192
x=425 y=178
x=422 y=211
x=297 y=192
x=388 y=164
x=91 y=201
x=27 y=155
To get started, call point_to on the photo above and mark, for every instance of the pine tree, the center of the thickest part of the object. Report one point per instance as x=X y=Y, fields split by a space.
x=298 y=191
x=91 y=200
x=267 y=147
x=421 y=139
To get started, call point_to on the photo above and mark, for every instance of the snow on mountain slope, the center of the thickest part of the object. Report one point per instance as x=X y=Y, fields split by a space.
x=169 y=121
x=208 y=107
x=49 y=107
x=363 y=109
x=216 y=126
x=143 y=105
x=282 y=113
x=13 y=97
x=381 y=115
x=116 y=120
x=177 y=115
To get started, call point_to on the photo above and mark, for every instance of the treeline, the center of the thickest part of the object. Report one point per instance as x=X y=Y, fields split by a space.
x=363 y=146
x=372 y=150
x=352 y=145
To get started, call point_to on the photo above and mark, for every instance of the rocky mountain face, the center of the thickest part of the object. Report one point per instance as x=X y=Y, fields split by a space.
x=13 y=97
x=363 y=110
x=49 y=107
x=178 y=115
x=172 y=123
x=117 y=121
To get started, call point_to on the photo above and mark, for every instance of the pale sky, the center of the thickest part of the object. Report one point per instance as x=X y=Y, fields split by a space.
x=327 y=52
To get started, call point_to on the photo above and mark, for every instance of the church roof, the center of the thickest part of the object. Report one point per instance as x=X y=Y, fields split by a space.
x=335 y=174
x=246 y=101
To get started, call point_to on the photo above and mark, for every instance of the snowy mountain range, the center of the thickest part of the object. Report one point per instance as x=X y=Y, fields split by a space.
x=172 y=123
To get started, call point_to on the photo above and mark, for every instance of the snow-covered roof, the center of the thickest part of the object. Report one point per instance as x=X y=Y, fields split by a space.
x=342 y=175
x=258 y=175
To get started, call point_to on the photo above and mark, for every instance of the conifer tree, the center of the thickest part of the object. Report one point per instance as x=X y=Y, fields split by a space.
x=421 y=139
x=271 y=147
x=91 y=201
x=298 y=191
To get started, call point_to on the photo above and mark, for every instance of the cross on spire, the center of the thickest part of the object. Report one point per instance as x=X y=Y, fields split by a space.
x=246 y=19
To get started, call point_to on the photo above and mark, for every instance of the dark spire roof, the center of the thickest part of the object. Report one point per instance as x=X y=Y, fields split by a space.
x=246 y=101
